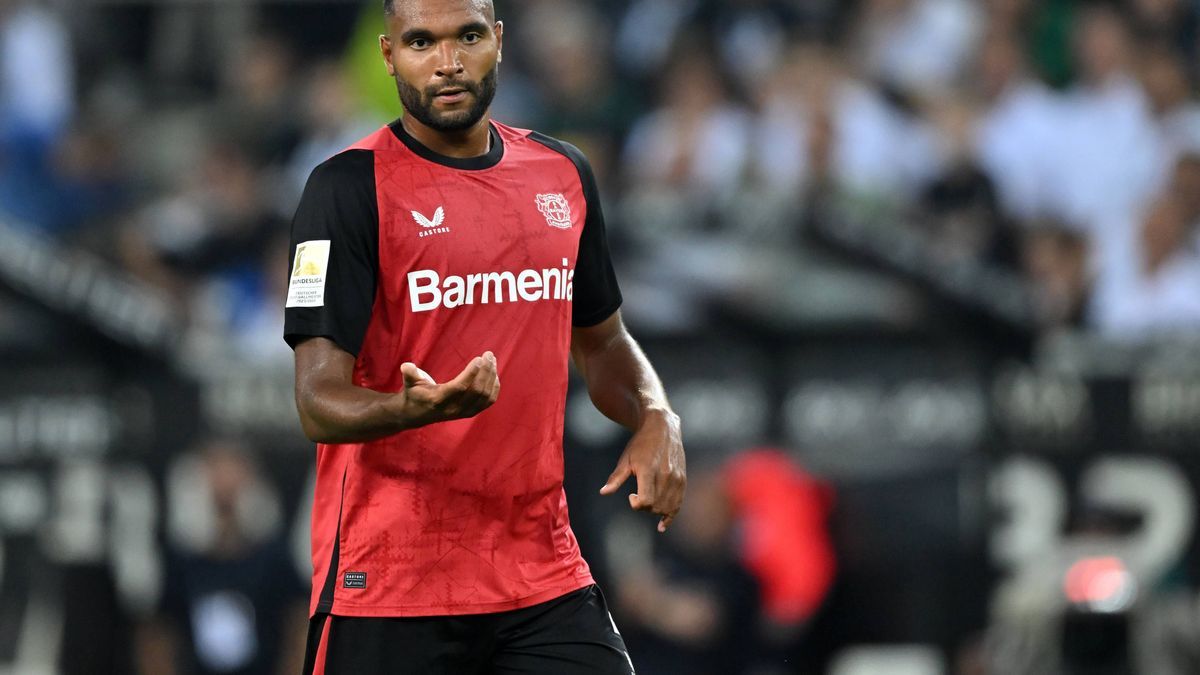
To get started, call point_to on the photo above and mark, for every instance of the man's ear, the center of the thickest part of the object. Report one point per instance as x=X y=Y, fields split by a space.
x=499 y=29
x=385 y=50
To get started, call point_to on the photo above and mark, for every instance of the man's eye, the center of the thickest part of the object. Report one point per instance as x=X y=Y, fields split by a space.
x=472 y=38
x=419 y=43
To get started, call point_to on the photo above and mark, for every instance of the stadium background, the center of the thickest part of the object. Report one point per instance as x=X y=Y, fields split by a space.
x=922 y=278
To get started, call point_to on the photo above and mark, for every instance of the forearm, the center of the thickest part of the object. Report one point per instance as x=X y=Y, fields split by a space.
x=337 y=412
x=624 y=386
x=621 y=381
x=333 y=410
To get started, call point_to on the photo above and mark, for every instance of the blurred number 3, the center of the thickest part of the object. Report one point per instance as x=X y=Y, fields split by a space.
x=1030 y=543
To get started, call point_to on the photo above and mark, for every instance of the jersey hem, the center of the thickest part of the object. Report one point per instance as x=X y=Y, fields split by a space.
x=597 y=317
x=300 y=334
x=342 y=608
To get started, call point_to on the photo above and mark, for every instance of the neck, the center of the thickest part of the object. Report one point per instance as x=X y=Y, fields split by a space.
x=474 y=141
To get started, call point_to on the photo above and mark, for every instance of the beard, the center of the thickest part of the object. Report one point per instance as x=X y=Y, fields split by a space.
x=419 y=103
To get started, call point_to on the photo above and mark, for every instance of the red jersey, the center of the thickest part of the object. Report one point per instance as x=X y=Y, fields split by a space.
x=400 y=254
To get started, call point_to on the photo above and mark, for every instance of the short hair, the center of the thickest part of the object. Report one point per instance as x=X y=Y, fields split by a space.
x=389 y=8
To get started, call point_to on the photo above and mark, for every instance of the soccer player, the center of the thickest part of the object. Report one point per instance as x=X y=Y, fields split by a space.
x=436 y=258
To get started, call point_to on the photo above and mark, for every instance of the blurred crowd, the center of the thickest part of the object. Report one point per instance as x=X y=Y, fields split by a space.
x=1058 y=141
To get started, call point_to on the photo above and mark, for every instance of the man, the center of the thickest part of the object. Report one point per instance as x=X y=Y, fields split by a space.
x=440 y=535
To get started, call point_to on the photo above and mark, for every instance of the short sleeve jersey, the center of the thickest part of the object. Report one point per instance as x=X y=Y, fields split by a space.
x=400 y=254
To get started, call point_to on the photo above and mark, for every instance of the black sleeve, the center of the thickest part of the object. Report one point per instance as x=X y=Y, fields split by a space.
x=596 y=293
x=334 y=253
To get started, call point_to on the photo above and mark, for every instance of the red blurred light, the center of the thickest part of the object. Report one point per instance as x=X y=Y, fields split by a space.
x=1097 y=581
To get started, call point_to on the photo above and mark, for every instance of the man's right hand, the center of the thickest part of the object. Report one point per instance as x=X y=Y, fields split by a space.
x=424 y=401
x=334 y=410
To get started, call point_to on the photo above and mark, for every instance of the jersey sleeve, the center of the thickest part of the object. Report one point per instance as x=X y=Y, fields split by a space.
x=596 y=292
x=334 y=253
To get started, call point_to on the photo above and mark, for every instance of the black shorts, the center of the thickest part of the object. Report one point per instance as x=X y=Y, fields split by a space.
x=570 y=635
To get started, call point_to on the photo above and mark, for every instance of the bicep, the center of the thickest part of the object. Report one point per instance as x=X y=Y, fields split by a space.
x=587 y=341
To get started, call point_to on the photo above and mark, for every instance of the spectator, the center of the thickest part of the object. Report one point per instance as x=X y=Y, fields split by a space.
x=329 y=124
x=696 y=609
x=918 y=45
x=786 y=155
x=1185 y=187
x=790 y=165
x=964 y=218
x=238 y=317
x=734 y=589
x=783 y=536
x=215 y=225
x=1007 y=17
x=1108 y=158
x=37 y=102
x=1165 y=80
x=37 y=87
x=1165 y=24
x=582 y=101
x=881 y=147
x=688 y=155
x=751 y=36
x=647 y=34
x=258 y=100
x=822 y=126
x=1152 y=292
x=1054 y=258
x=233 y=603
x=1013 y=137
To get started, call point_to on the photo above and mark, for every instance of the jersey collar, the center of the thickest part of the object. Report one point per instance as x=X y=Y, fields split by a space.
x=487 y=161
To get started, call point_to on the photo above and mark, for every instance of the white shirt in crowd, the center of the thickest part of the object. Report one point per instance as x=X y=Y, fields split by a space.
x=1130 y=302
x=876 y=149
x=37 y=75
x=714 y=152
x=926 y=46
x=1106 y=156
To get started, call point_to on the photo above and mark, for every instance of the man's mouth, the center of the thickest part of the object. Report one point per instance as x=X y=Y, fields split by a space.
x=451 y=95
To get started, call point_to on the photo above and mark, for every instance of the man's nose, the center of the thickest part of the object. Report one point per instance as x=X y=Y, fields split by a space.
x=450 y=65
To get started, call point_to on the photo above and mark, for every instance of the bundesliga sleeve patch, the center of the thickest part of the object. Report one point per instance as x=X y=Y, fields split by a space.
x=307 y=285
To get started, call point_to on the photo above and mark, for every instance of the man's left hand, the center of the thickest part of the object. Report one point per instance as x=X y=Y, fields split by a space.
x=655 y=456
